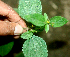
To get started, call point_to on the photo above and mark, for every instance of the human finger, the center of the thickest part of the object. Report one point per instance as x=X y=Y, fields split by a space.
x=6 y=10
x=10 y=28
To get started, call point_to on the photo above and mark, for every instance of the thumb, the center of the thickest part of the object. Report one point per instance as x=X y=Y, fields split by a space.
x=10 y=28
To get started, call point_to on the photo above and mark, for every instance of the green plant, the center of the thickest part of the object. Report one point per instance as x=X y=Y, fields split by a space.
x=31 y=11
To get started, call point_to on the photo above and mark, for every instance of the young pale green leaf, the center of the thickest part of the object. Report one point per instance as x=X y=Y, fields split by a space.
x=26 y=35
x=46 y=28
x=35 y=47
x=36 y=19
x=45 y=16
x=58 y=21
x=5 y=49
x=27 y=7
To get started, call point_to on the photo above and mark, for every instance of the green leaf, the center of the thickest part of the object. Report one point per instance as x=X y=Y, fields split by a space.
x=36 y=28
x=5 y=49
x=27 y=7
x=26 y=35
x=39 y=29
x=45 y=16
x=36 y=19
x=58 y=21
x=16 y=9
x=46 y=28
x=35 y=47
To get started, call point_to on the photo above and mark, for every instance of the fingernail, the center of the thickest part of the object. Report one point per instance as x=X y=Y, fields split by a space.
x=18 y=30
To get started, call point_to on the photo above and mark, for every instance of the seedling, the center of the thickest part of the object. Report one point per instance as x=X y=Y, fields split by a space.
x=31 y=11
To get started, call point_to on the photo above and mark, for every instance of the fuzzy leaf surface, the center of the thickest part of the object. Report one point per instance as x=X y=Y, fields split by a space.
x=36 y=19
x=58 y=21
x=35 y=47
x=27 y=7
x=5 y=49
x=26 y=35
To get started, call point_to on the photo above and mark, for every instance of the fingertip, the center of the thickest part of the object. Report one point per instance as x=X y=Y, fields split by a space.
x=18 y=30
